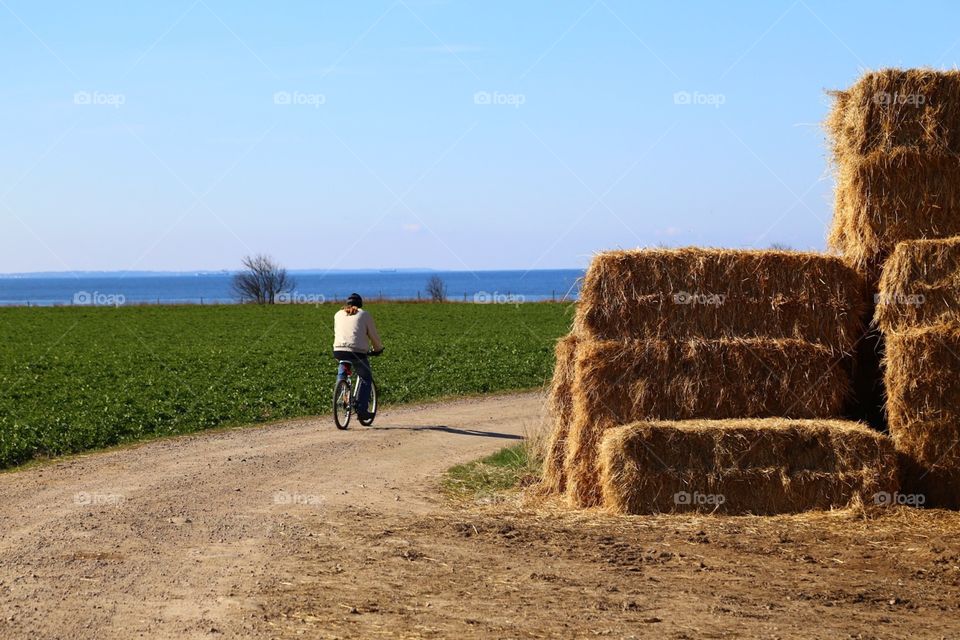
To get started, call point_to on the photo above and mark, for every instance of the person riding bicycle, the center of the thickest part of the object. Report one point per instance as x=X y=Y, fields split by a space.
x=354 y=331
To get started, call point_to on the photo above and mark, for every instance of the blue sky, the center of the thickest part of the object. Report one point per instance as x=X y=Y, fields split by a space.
x=413 y=133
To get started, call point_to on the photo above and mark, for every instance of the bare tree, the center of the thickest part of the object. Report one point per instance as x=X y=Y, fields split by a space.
x=437 y=289
x=262 y=280
x=779 y=246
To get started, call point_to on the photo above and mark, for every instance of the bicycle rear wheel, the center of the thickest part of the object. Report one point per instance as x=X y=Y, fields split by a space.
x=371 y=406
x=342 y=404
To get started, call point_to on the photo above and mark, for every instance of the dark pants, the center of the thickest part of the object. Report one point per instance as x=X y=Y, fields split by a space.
x=361 y=365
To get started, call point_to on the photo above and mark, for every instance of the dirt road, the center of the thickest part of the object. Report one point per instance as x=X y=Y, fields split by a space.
x=177 y=537
x=297 y=530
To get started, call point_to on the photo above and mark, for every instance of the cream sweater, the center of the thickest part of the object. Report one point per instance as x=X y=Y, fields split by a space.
x=355 y=333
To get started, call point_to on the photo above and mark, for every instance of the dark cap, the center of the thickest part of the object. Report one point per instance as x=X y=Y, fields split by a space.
x=355 y=300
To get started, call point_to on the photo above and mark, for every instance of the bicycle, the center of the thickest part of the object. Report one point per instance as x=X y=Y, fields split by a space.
x=345 y=393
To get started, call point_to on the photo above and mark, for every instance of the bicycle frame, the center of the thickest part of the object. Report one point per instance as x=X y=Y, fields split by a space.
x=346 y=373
x=348 y=376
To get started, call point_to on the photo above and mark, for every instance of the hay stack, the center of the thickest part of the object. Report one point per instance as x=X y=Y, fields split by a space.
x=698 y=333
x=923 y=402
x=920 y=285
x=619 y=382
x=919 y=312
x=896 y=147
x=718 y=293
x=896 y=151
x=884 y=111
x=744 y=466
x=559 y=413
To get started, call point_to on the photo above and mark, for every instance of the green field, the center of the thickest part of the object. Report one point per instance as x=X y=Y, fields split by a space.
x=73 y=379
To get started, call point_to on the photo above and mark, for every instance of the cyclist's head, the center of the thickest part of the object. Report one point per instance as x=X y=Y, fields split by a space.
x=355 y=300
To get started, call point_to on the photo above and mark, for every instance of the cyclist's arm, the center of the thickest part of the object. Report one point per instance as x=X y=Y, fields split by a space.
x=373 y=335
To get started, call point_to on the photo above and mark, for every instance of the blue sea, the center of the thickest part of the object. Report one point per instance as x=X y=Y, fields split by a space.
x=311 y=287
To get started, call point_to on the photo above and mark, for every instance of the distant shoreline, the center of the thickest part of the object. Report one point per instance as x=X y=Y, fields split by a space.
x=228 y=272
x=129 y=289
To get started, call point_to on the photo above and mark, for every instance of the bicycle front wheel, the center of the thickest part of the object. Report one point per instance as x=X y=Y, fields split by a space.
x=342 y=404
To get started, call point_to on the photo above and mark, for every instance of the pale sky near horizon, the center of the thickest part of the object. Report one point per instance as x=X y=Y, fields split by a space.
x=184 y=134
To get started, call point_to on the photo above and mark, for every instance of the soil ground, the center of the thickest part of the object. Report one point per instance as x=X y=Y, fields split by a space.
x=297 y=530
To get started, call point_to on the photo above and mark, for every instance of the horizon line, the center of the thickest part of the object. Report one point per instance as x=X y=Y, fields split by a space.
x=305 y=271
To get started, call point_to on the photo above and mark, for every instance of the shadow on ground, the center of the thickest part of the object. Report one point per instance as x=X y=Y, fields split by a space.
x=454 y=430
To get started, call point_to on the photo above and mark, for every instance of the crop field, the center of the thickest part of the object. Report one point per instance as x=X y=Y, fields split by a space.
x=73 y=379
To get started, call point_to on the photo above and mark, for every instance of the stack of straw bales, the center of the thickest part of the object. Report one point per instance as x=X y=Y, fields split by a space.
x=896 y=147
x=919 y=313
x=896 y=140
x=725 y=370
x=704 y=334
